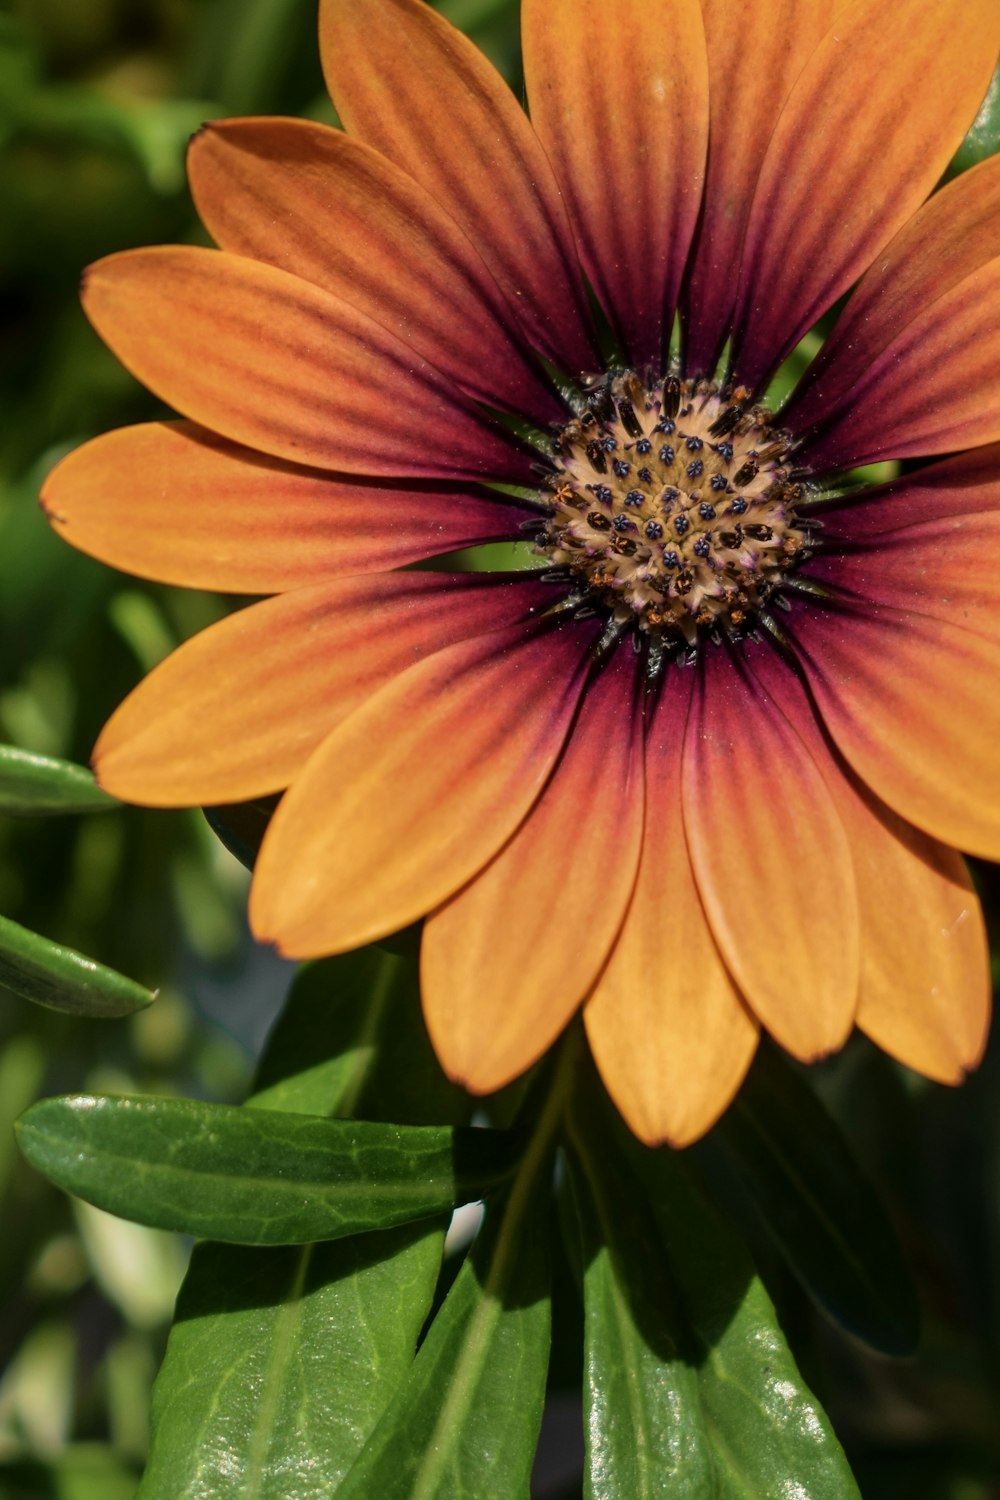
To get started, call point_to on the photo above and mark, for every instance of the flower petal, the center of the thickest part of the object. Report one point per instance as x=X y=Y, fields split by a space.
x=172 y=501
x=945 y=568
x=771 y=860
x=270 y=361
x=961 y=486
x=668 y=1030
x=416 y=791
x=237 y=711
x=955 y=234
x=618 y=93
x=911 y=702
x=506 y=962
x=409 y=83
x=936 y=388
x=869 y=127
x=925 y=974
x=748 y=86
x=331 y=210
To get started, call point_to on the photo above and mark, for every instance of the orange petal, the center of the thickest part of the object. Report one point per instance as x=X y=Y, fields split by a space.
x=869 y=127
x=236 y=712
x=409 y=83
x=964 y=485
x=925 y=972
x=911 y=702
x=668 y=1030
x=618 y=93
x=771 y=860
x=329 y=209
x=416 y=791
x=748 y=86
x=934 y=389
x=172 y=501
x=506 y=962
x=953 y=235
x=276 y=363
x=946 y=568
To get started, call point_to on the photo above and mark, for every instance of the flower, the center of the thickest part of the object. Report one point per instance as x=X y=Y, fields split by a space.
x=705 y=769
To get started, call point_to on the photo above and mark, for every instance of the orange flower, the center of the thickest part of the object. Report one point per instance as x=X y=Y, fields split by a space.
x=704 y=769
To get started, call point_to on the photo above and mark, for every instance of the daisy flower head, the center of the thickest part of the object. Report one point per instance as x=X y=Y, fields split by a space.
x=705 y=767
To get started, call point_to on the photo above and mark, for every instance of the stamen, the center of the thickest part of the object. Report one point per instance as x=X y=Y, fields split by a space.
x=674 y=568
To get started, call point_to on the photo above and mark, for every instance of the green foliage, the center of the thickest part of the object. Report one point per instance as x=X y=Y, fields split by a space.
x=255 y=1177
x=63 y=979
x=779 y=1155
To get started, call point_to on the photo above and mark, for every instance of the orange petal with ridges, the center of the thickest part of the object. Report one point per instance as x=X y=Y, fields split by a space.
x=934 y=389
x=327 y=208
x=925 y=971
x=748 y=85
x=172 y=501
x=946 y=568
x=237 y=711
x=911 y=702
x=771 y=861
x=409 y=83
x=618 y=93
x=269 y=360
x=869 y=127
x=964 y=485
x=669 y=1033
x=416 y=791
x=953 y=235
x=506 y=962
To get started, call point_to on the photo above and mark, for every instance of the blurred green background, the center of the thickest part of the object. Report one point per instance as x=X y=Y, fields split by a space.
x=97 y=100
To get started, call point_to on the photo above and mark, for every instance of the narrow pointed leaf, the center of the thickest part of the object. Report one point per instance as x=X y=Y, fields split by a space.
x=983 y=138
x=255 y=1177
x=779 y=1155
x=32 y=784
x=768 y=1435
x=61 y=979
x=351 y=1041
x=643 y=1421
x=281 y=1361
x=465 y=1421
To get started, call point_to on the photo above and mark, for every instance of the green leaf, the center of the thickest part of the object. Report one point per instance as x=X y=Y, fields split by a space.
x=351 y=1041
x=464 y=1423
x=62 y=979
x=983 y=139
x=252 y=1176
x=769 y=1437
x=31 y=784
x=281 y=1361
x=241 y=826
x=643 y=1421
x=778 y=1155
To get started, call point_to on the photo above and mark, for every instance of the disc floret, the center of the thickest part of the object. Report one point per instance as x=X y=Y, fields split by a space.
x=673 y=504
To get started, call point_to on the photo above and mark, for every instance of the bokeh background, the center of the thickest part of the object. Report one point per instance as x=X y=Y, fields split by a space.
x=97 y=100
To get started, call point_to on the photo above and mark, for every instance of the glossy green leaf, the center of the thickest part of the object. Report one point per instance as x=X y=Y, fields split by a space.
x=768 y=1436
x=643 y=1421
x=62 y=979
x=251 y=1176
x=464 y=1423
x=33 y=784
x=779 y=1156
x=983 y=139
x=351 y=1041
x=241 y=826
x=281 y=1361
